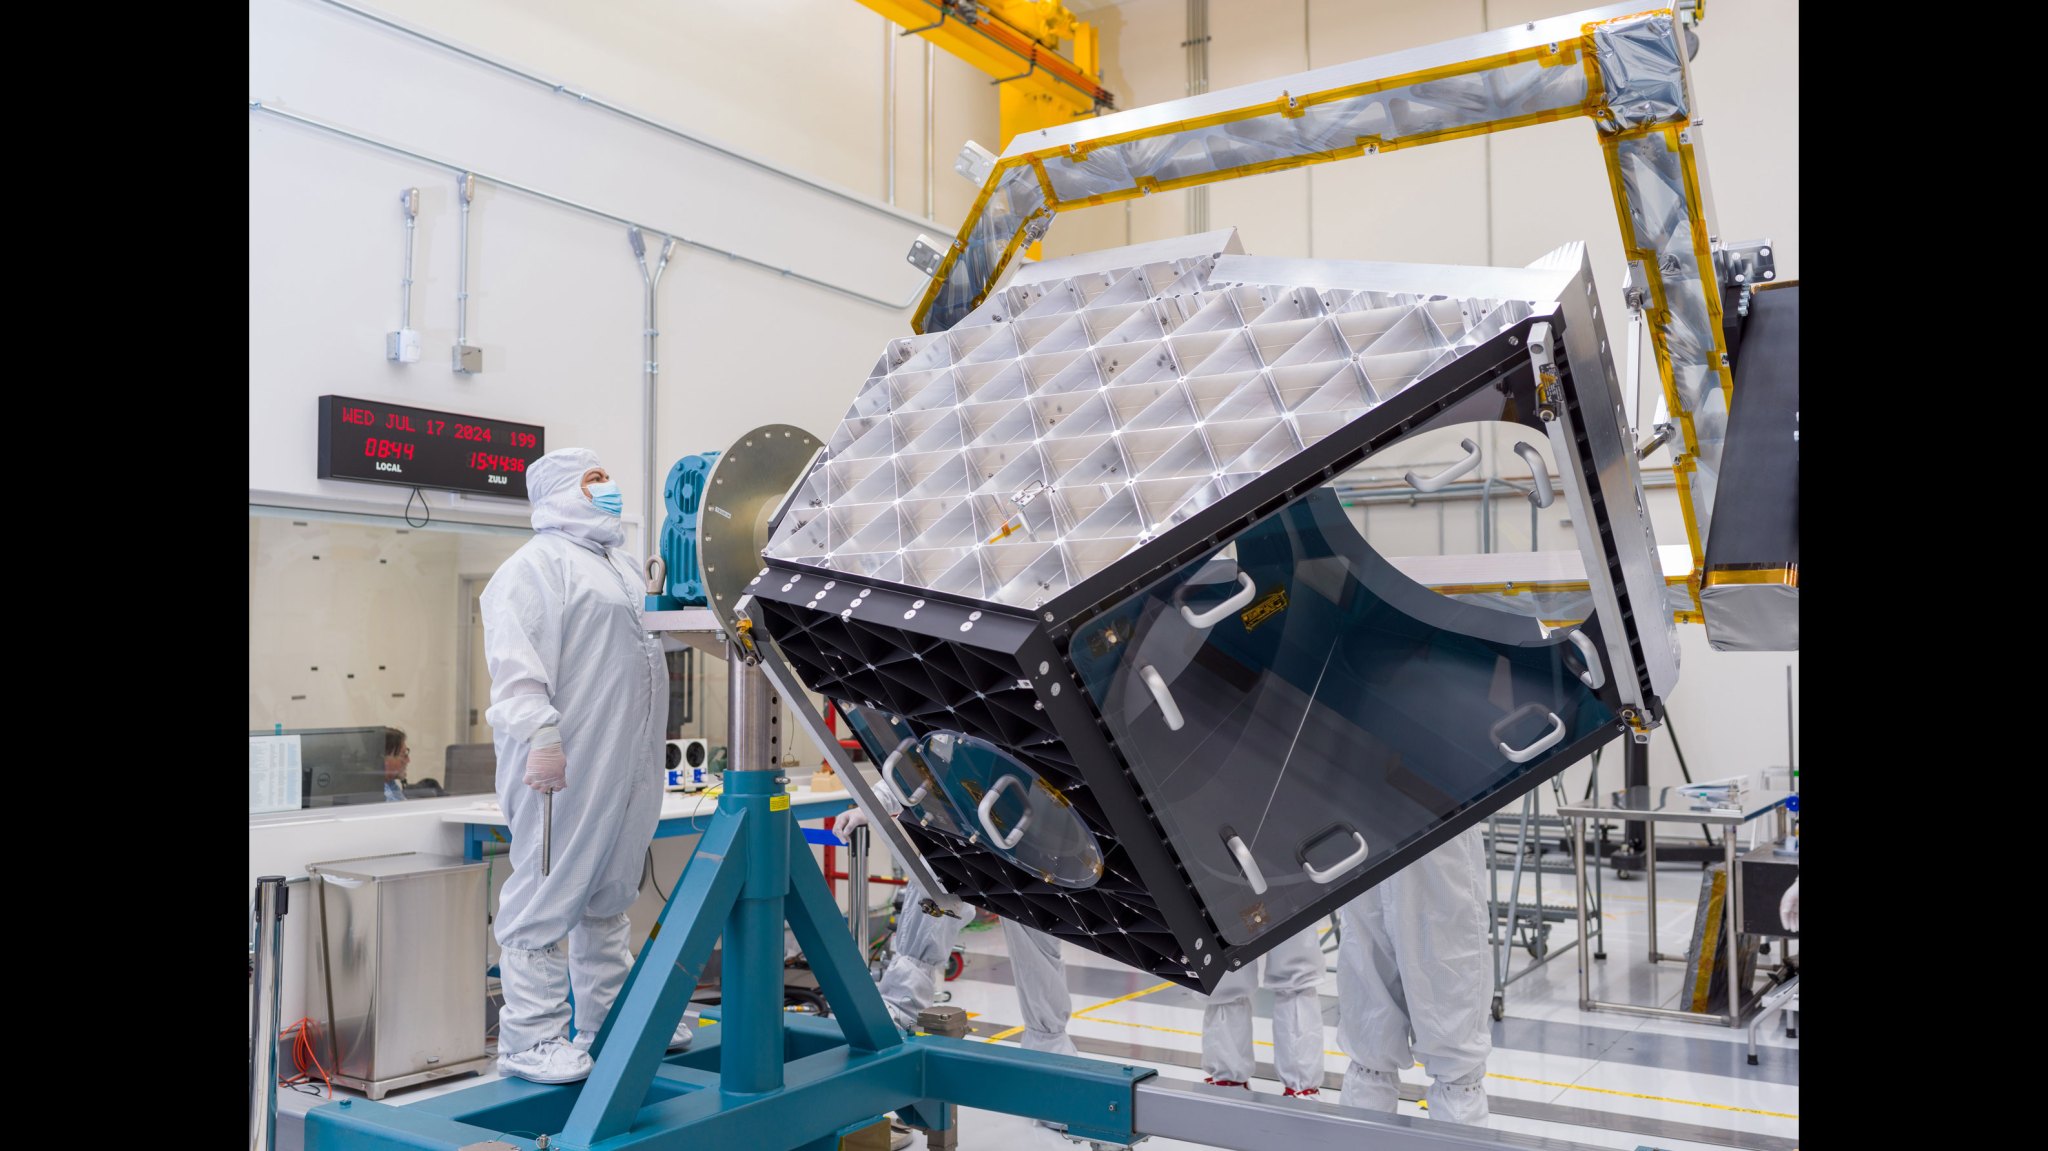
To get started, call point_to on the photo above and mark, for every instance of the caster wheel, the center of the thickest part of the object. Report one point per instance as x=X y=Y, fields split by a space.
x=956 y=962
x=1622 y=873
x=1791 y=1033
x=1764 y=948
x=1600 y=955
x=1497 y=1008
x=1752 y=1061
x=1539 y=946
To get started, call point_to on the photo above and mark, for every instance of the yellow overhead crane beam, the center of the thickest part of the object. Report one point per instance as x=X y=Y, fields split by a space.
x=1018 y=42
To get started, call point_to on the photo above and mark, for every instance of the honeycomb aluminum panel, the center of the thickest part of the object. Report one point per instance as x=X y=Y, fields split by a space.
x=1621 y=66
x=1019 y=454
x=1136 y=679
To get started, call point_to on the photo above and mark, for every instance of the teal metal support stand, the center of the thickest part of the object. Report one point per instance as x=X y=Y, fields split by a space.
x=757 y=1078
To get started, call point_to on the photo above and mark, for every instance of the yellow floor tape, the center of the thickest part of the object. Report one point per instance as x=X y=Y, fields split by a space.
x=1339 y=1054
x=1154 y=989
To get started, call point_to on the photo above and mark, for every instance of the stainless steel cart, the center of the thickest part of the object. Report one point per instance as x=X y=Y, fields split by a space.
x=1651 y=806
x=395 y=968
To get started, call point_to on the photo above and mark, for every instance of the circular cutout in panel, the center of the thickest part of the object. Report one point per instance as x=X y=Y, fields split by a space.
x=1013 y=810
x=971 y=789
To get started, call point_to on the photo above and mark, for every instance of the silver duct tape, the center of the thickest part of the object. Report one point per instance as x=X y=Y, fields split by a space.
x=1642 y=71
x=1752 y=617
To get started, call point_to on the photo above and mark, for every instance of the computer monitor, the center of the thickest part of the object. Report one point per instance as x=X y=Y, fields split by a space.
x=339 y=765
x=471 y=769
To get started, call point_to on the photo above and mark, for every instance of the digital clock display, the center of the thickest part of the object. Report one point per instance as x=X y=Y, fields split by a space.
x=380 y=443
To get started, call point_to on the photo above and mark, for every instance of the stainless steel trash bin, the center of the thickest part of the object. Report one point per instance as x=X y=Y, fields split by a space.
x=395 y=969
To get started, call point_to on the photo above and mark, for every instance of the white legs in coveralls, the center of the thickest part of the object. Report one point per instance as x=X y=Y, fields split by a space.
x=911 y=981
x=1414 y=981
x=1292 y=970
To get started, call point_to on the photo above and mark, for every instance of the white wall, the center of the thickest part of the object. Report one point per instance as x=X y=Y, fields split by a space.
x=555 y=296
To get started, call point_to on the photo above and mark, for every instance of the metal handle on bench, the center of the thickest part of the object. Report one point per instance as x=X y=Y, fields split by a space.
x=1594 y=675
x=1539 y=474
x=988 y=804
x=1444 y=477
x=1163 y=697
x=1341 y=866
x=1249 y=865
x=1215 y=615
x=889 y=777
x=1549 y=740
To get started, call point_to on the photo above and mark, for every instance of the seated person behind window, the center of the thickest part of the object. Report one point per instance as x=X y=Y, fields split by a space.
x=396 y=757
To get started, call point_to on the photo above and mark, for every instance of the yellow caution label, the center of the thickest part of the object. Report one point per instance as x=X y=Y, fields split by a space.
x=1271 y=604
x=778 y=803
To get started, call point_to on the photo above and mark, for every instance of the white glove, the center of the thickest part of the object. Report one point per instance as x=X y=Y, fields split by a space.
x=546 y=767
x=1788 y=908
x=846 y=823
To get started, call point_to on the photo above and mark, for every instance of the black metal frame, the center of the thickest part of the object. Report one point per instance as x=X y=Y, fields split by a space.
x=1143 y=910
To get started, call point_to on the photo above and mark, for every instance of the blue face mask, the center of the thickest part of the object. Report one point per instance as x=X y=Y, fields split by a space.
x=607 y=499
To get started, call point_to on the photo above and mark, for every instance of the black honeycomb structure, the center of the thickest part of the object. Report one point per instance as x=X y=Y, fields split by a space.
x=1000 y=672
x=935 y=682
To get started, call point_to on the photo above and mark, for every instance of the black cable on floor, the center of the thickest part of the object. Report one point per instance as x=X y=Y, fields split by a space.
x=650 y=872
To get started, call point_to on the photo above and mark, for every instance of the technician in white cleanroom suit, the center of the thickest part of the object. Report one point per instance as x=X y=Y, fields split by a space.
x=1292 y=970
x=578 y=708
x=1414 y=962
x=911 y=981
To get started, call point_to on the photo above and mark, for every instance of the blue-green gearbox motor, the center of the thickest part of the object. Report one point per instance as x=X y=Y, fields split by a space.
x=684 y=495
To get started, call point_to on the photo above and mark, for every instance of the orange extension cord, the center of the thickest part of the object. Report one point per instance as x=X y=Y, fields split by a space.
x=303 y=1055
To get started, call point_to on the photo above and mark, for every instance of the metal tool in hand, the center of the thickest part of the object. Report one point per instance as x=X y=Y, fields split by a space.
x=547 y=828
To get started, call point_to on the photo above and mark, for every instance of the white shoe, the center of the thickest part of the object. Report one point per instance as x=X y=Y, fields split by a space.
x=1458 y=1103
x=680 y=1041
x=553 y=1061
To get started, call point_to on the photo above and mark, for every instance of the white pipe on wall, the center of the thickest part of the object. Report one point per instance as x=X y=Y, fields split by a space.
x=889 y=112
x=930 y=132
x=599 y=102
x=735 y=257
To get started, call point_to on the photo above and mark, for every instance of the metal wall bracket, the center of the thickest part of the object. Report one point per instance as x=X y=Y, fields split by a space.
x=975 y=163
x=925 y=255
x=1746 y=264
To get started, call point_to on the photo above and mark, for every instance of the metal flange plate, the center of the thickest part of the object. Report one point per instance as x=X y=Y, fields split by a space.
x=746 y=485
